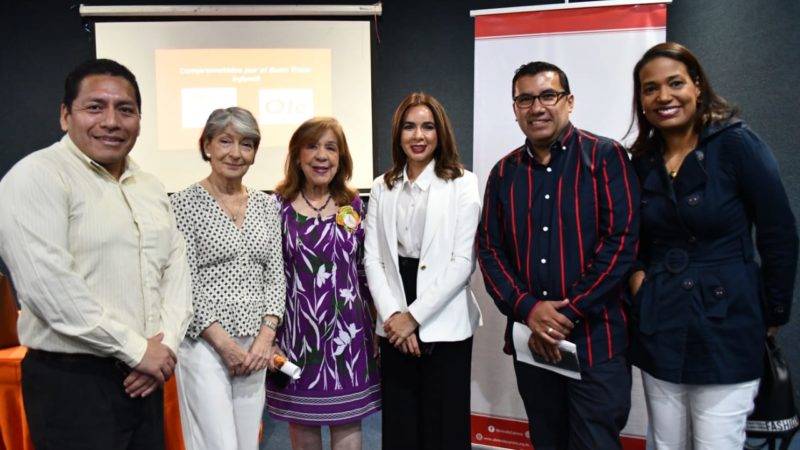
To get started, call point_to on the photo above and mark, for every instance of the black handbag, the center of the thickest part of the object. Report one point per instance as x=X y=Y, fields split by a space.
x=775 y=415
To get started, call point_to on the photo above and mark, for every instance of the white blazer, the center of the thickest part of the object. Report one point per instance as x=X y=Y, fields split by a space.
x=445 y=308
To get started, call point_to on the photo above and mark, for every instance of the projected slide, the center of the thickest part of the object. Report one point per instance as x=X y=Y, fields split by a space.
x=281 y=87
x=284 y=72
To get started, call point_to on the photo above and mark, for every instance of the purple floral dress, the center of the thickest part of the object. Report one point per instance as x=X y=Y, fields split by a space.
x=327 y=329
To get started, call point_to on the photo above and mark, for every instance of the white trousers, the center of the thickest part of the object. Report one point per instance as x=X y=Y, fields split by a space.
x=697 y=417
x=218 y=412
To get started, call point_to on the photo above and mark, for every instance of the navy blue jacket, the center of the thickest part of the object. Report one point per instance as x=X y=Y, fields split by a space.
x=701 y=314
x=565 y=230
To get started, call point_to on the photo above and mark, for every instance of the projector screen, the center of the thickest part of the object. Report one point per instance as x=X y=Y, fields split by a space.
x=284 y=72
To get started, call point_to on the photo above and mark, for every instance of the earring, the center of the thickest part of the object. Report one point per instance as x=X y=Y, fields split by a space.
x=208 y=155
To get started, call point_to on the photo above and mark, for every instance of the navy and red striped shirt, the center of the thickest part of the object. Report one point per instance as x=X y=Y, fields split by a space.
x=568 y=229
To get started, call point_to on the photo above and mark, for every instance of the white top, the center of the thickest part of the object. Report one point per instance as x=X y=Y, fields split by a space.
x=412 y=202
x=237 y=274
x=98 y=263
x=445 y=307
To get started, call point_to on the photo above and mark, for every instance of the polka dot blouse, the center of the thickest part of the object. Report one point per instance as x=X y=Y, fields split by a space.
x=237 y=274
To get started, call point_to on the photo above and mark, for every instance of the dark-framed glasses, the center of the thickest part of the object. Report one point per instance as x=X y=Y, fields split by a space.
x=547 y=98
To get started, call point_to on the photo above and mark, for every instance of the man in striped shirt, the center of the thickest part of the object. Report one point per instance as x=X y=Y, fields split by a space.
x=557 y=237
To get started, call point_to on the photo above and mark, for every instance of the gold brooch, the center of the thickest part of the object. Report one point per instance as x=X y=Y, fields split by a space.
x=348 y=218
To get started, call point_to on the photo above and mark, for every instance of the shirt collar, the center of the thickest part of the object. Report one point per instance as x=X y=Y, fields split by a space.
x=559 y=144
x=131 y=168
x=424 y=179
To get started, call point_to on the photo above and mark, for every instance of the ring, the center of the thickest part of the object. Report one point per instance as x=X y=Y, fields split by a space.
x=549 y=329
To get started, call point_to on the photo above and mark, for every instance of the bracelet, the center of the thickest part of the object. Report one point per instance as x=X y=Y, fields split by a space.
x=270 y=324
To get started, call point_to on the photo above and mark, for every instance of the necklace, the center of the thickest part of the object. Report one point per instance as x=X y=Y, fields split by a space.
x=316 y=210
x=226 y=208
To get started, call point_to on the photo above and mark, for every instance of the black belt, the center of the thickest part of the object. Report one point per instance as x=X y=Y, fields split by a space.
x=78 y=358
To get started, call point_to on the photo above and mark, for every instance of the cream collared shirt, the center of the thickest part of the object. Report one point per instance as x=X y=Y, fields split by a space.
x=412 y=204
x=98 y=263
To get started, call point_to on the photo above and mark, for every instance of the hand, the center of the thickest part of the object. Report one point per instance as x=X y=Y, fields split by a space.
x=399 y=327
x=376 y=347
x=549 y=352
x=158 y=361
x=635 y=281
x=410 y=346
x=234 y=357
x=276 y=351
x=772 y=331
x=139 y=384
x=260 y=353
x=547 y=323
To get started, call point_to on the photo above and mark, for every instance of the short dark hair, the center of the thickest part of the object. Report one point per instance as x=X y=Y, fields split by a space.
x=110 y=67
x=537 y=67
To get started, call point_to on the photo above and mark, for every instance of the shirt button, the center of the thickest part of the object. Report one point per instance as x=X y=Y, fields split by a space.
x=549 y=169
x=545 y=228
x=544 y=293
x=692 y=239
x=544 y=260
x=687 y=284
x=563 y=147
x=547 y=196
x=693 y=200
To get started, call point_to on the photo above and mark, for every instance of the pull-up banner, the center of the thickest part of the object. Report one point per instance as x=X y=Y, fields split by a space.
x=596 y=44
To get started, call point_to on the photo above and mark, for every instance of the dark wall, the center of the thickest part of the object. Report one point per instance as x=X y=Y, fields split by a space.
x=750 y=50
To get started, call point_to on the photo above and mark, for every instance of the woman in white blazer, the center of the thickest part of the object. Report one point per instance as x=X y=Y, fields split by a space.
x=419 y=255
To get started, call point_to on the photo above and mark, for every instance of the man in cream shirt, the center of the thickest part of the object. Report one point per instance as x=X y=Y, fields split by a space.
x=99 y=268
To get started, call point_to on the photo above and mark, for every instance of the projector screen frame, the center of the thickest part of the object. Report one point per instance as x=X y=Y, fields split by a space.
x=375 y=9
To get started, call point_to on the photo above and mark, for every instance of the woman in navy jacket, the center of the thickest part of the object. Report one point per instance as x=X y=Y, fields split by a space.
x=701 y=304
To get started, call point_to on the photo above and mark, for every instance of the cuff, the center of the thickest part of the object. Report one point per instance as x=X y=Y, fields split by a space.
x=419 y=312
x=171 y=340
x=134 y=349
x=776 y=314
x=523 y=306
x=197 y=327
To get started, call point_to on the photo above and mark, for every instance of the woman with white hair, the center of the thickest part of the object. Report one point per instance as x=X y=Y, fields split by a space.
x=233 y=242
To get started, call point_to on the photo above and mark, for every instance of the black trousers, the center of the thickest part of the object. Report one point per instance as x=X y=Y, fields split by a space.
x=586 y=414
x=426 y=400
x=79 y=402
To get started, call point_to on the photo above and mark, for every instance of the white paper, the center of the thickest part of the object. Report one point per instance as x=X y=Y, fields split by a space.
x=289 y=368
x=522 y=333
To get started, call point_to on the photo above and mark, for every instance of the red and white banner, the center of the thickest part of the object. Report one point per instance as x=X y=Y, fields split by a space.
x=596 y=44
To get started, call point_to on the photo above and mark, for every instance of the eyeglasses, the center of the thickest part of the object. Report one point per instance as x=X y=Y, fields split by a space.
x=547 y=98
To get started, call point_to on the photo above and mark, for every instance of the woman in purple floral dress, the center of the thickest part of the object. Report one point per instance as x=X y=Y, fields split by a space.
x=327 y=330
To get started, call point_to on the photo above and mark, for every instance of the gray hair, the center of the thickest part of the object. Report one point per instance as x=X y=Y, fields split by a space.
x=240 y=119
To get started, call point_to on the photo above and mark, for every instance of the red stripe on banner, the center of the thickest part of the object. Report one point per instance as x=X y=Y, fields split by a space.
x=628 y=17
x=508 y=433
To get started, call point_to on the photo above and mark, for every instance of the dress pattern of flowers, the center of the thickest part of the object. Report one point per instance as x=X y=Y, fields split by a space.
x=327 y=330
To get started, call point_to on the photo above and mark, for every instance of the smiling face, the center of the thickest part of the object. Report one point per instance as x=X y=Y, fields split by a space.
x=542 y=124
x=103 y=120
x=418 y=136
x=319 y=160
x=668 y=95
x=230 y=154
